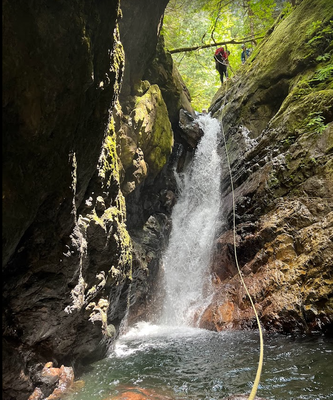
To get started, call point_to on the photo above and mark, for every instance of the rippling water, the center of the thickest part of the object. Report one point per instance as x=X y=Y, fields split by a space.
x=190 y=363
x=184 y=363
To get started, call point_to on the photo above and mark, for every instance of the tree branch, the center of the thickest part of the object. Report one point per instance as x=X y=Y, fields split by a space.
x=205 y=46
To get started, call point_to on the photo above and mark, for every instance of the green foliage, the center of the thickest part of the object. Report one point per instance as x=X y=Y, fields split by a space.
x=324 y=57
x=289 y=140
x=320 y=36
x=287 y=9
x=314 y=27
x=316 y=122
x=189 y=23
x=323 y=73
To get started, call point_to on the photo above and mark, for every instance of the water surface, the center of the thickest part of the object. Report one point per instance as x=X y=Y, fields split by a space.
x=189 y=363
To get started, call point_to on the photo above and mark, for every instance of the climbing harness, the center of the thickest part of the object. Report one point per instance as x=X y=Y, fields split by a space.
x=224 y=62
x=261 y=356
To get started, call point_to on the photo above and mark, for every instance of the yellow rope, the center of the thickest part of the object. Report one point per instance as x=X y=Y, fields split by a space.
x=261 y=357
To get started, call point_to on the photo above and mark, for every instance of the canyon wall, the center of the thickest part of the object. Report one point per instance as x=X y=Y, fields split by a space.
x=82 y=127
x=277 y=116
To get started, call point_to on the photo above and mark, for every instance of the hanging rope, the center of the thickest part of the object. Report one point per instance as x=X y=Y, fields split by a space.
x=261 y=356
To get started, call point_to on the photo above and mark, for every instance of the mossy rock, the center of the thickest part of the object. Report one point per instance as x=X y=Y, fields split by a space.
x=153 y=128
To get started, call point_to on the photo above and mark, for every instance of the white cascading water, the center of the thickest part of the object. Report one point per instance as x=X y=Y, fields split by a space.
x=194 y=221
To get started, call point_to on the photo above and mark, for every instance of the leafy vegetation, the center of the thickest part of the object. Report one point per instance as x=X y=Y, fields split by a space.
x=324 y=73
x=316 y=122
x=205 y=25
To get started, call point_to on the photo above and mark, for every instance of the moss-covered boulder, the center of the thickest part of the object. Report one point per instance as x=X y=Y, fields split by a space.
x=164 y=73
x=153 y=128
x=145 y=137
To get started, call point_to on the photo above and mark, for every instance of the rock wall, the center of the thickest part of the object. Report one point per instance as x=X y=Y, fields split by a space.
x=65 y=243
x=277 y=117
x=74 y=146
x=91 y=136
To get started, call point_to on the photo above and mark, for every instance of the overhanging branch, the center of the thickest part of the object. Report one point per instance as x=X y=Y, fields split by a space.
x=205 y=46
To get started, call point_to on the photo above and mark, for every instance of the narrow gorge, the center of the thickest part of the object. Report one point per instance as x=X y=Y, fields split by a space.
x=97 y=129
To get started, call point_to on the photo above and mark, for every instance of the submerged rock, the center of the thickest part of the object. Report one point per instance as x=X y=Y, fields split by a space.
x=137 y=393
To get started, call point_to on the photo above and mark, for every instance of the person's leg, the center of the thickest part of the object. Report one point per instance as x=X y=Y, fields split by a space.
x=220 y=69
x=223 y=72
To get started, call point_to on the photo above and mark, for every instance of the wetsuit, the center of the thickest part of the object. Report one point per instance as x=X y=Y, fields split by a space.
x=221 y=61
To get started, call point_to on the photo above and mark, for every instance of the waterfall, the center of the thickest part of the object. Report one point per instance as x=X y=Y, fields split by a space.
x=194 y=221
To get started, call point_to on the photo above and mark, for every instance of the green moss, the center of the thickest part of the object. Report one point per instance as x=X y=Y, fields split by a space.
x=153 y=128
x=273 y=181
x=306 y=114
x=110 y=331
x=117 y=215
x=108 y=170
x=117 y=60
x=141 y=88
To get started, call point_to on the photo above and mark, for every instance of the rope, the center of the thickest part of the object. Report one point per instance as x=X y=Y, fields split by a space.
x=224 y=62
x=261 y=356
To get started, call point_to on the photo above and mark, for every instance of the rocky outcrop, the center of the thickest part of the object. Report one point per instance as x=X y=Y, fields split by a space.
x=62 y=378
x=72 y=152
x=145 y=137
x=163 y=72
x=65 y=243
x=277 y=115
x=140 y=30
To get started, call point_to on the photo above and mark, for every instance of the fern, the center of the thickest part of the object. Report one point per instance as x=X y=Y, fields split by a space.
x=324 y=57
x=316 y=121
x=323 y=74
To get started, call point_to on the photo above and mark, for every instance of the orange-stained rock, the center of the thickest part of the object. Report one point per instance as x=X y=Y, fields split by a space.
x=226 y=311
x=49 y=374
x=37 y=394
x=66 y=380
x=133 y=393
x=285 y=259
x=242 y=397
x=63 y=377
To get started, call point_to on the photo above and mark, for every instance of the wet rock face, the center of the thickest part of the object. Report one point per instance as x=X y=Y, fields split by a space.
x=70 y=157
x=142 y=21
x=67 y=255
x=63 y=67
x=62 y=71
x=190 y=130
x=283 y=186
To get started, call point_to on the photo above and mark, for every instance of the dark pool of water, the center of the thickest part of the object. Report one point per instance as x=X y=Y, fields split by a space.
x=190 y=363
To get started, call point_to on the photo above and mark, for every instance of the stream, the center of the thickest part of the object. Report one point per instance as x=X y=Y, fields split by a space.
x=175 y=360
x=191 y=363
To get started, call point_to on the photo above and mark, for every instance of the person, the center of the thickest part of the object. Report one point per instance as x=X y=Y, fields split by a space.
x=245 y=54
x=228 y=65
x=221 y=62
